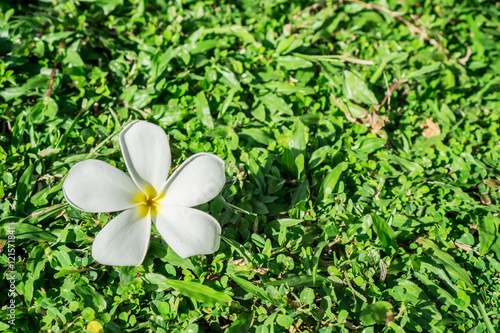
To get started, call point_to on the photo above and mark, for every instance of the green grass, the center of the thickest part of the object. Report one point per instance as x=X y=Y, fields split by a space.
x=342 y=209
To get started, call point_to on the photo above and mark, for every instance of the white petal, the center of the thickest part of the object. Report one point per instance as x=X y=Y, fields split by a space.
x=198 y=180
x=147 y=154
x=188 y=231
x=124 y=240
x=95 y=186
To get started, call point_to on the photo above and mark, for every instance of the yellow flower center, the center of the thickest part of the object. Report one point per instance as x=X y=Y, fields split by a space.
x=148 y=201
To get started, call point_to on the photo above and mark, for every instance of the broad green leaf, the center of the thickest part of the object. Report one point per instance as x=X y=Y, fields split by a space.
x=29 y=231
x=251 y=288
x=384 y=232
x=160 y=63
x=91 y=298
x=425 y=71
x=288 y=89
x=318 y=156
x=203 y=110
x=395 y=327
x=229 y=78
x=369 y=145
x=13 y=92
x=307 y=296
x=36 y=261
x=64 y=259
x=228 y=101
x=200 y=46
x=276 y=104
x=239 y=248
x=293 y=62
x=375 y=313
x=256 y=134
x=284 y=321
x=242 y=323
x=409 y=166
x=328 y=185
x=95 y=327
x=446 y=260
x=127 y=274
x=488 y=233
x=155 y=282
x=199 y=292
x=236 y=30
x=298 y=140
x=73 y=59
x=356 y=89
x=109 y=5
x=298 y=281
x=23 y=189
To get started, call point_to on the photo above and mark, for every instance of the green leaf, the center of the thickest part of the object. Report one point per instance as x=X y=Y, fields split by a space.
x=409 y=166
x=488 y=233
x=160 y=63
x=298 y=281
x=384 y=232
x=229 y=78
x=127 y=274
x=228 y=101
x=91 y=298
x=199 y=292
x=369 y=145
x=23 y=189
x=242 y=323
x=203 y=110
x=256 y=134
x=446 y=260
x=288 y=89
x=375 y=313
x=356 y=89
x=29 y=231
x=276 y=104
x=307 y=296
x=284 y=321
x=155 y=282
x=249 y=287
x=293 y=62
x=331 y=180
x=298 y=140
x=73 y=58
x=425 y=71
x=14 y=92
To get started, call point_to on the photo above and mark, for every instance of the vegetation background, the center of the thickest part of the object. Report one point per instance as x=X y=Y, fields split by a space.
x=362 y=150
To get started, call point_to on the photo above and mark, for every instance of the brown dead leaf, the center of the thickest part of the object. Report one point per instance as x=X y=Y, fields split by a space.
x=376 y=122
x=464 y=247
x=493 y=183
x=260 y=270
x=239 y=262
x=430 y=128
x=485 y=199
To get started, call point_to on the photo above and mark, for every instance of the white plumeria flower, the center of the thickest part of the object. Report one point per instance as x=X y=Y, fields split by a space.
x=148 y=196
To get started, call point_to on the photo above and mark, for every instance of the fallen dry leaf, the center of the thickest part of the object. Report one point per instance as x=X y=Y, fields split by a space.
x=239 y=262
x=430 y=128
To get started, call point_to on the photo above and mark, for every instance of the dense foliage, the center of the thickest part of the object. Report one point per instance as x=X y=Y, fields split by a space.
x=362 y=156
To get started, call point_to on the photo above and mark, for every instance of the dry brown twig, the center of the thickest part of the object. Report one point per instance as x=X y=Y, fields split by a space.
x=54 y=71
x=413 y=28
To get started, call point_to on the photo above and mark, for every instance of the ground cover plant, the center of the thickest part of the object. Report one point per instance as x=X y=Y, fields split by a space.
x=361 y=150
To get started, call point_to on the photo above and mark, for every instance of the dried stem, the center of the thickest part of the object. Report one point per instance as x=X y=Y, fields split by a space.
x=48 y=94
x=413 y=28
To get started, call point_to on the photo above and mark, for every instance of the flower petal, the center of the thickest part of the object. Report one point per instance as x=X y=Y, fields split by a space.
x=147 y=154
x=95 y=186
x=124 y=240
x=198 y=180
x=188 y=231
